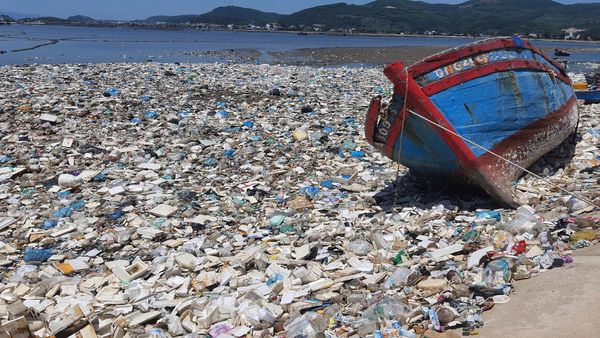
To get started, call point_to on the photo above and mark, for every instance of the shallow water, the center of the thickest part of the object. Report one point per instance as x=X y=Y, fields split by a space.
x=99 y=45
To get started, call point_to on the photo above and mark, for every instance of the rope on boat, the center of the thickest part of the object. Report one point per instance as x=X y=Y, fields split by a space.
x=404 y=111
x=585 y=199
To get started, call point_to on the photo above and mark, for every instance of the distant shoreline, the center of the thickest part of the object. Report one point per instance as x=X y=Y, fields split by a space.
x=174 y=28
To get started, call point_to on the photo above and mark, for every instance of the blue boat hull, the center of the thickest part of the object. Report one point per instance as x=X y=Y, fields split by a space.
x=512 y=102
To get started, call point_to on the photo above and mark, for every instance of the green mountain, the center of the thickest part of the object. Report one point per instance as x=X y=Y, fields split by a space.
x=5 y=18
x=81 y=18
x=223 y=16
x=494 y=17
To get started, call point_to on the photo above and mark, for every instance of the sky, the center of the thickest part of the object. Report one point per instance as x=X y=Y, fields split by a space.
x=141 y=9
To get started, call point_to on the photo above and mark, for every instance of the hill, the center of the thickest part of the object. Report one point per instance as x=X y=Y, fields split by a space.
x=81 y=18
x=544 y=17
x=223 y=16
x=18 y=16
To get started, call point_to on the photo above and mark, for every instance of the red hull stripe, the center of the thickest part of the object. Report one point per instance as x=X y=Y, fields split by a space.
x=437 y=61
x=394 y=132
x=423 y=105
x=522 y=136
x=488 y=69
x=372 y=118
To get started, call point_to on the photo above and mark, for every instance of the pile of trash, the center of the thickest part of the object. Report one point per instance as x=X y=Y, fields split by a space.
x=167 y=200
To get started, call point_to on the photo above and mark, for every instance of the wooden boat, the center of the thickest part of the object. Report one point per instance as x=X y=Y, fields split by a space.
x=588 y=91
x=588 y=96
x=453 y=114
x=558 y=52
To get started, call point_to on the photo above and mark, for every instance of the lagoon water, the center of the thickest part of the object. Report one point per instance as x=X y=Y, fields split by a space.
x=96 y=45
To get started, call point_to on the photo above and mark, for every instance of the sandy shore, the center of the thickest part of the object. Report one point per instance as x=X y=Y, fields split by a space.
x=347 y=56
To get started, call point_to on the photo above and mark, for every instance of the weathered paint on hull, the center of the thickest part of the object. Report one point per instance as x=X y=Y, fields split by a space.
x=513 y=100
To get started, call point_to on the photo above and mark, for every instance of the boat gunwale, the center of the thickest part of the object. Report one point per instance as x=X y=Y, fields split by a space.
x=455 y=54
x=483 y=70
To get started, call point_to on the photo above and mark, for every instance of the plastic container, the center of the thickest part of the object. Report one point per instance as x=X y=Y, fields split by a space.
x=524 y=221
x=497 y=272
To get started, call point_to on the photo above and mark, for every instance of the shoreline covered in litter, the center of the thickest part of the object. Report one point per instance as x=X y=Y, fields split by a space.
x=164 y=200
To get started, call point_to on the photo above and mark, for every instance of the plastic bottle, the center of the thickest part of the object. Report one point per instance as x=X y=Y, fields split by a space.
x=387 y=309
x=309 y=325
x=360 y=247
x=398 y=278
x=434 y=321
x=403 y=332
x=398 y=258
x=156 y=333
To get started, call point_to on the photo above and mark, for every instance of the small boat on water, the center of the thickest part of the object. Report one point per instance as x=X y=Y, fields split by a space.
x=558 y=52
x=480 y=112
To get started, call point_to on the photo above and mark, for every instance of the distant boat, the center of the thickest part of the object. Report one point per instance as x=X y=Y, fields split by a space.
x=588 y=96
x=453 y=114
x=302 y=33
x=588 y=91
x=558 y=52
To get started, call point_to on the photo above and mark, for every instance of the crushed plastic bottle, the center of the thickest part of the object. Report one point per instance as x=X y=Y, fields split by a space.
x=311 y=191
x=151 y=115
x=111 y=92
x=309 y=325
x=357 y=154
x=63 y=212
x=36 y=255
x=115 y=215
x=360 y=247
x=49 y=224
x=229 y=153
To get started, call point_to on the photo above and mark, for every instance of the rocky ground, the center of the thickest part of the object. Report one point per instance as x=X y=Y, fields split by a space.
x=162 y=200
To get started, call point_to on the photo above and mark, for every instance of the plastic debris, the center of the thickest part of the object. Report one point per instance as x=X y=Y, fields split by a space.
x=240 y=200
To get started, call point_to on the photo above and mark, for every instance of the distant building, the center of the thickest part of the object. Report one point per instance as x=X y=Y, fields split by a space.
x=571 y=33
x=272 y=26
